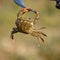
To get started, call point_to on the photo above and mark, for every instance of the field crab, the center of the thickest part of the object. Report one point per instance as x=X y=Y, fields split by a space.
x=25 y=25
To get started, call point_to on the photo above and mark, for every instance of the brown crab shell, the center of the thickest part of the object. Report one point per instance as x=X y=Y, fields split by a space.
x=24 y=25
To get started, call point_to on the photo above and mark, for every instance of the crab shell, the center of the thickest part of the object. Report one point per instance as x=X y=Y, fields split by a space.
x=24 y=25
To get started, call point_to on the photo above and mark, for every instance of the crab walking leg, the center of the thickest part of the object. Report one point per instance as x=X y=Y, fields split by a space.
x=37 y=17
x=43 y=34
x=38 y=41
x=35 y=34
x=41 y=38
x=20 y=13
x=15 y=30
x=40 y=28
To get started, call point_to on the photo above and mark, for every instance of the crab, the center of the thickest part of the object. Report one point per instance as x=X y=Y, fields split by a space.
x=25 y=25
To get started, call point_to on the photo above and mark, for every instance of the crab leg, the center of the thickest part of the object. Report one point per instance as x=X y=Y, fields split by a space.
x=41 y=38
x=15 y=30
x=43 y=34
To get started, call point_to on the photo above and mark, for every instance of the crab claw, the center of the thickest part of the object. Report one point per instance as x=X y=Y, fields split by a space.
x=11 y=36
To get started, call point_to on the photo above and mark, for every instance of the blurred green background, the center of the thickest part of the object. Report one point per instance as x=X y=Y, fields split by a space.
x=26 y=48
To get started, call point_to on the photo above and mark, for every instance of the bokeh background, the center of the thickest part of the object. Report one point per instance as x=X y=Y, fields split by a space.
x=24 y=47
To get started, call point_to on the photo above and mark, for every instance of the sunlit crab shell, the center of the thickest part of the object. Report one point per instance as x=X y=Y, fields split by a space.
x=24 y=25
